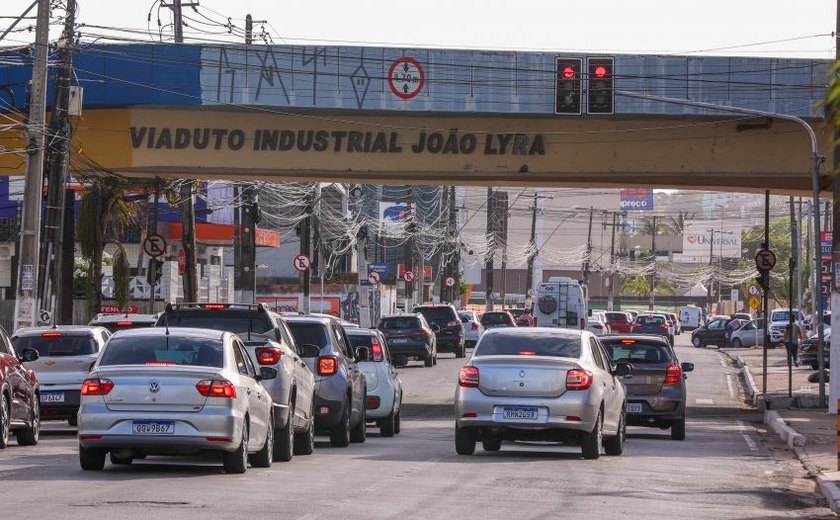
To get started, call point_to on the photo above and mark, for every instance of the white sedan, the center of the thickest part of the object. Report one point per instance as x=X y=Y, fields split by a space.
x=384 y=388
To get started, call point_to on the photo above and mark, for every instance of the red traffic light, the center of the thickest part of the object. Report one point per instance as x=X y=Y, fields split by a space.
x=569 y=72
x=600 y=71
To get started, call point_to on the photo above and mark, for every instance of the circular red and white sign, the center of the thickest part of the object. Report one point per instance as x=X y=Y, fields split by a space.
x=406 y=77
x=154 y=245
x=302 y=263
x=408 y=276
x=374 y=277
x=450 y=281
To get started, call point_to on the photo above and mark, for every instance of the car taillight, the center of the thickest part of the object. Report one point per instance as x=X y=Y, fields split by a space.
x=663 y=326
x=216 y=388
x=475 y=326
x=125 y=323
x=268 y=355
x=453 y=323
x=376 y=353
x=52 y=334
x=636 y=326
x=578 y=379
x=327 y=366
x=96 y=386
x=468 y=377
x=214 y=306
x=673 y=374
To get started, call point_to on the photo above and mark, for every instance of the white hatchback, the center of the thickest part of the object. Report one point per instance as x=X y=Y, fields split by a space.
x=384 y=388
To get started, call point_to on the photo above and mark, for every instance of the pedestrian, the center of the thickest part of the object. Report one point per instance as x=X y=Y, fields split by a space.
x=792 y=344
x=525 y=319
x=731 y=326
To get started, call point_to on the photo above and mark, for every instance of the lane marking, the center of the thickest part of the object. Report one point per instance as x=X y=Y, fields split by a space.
x=731 y=388
x=704 y=401
x=743 y=431
x=722 y=362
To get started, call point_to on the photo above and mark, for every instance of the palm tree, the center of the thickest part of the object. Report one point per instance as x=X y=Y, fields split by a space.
x=676 y=224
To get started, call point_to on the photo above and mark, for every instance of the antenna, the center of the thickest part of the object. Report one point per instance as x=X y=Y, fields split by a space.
x=166 y=324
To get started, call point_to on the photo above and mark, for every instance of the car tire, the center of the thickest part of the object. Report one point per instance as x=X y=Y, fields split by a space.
x=340 y=433
x=305 y=442
x=429 y=361
x=461 y=352
x=591 y=442
x=284 y=438
x=434 y=360
x=736 y=343
x=359 y=432
x=91 y=459
x=697 y=342
x=237 y=461
x=397 y=423
x=264 y=457
x=5 y=421
x=464 y=441
x=615 y=445
x=491 y=445
x=121 y=461
x=73 y=421
x=29 y=436
x=678 y=429
x=387 y=425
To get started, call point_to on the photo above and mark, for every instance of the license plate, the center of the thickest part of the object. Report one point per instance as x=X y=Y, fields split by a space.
x=153 y=427
x=52 y=397
x=399 y=340
x=520 y=413
x=634 y=407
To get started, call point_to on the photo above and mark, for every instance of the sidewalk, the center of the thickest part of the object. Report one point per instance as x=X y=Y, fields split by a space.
x=809 y=431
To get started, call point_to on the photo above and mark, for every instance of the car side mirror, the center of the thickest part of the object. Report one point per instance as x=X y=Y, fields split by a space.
x=29 y=355
x=267 y=373
x=310 y=351
x=362 y=354
x=623 y=369
x=687 y=367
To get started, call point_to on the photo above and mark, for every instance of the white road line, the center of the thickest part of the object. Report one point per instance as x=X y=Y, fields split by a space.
x=704 y=401
x=729 y=385
x=722 y=362
x=743 y=430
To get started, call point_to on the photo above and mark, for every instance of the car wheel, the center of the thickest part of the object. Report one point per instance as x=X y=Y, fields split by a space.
x=397 y=423
x=678 y=429
x=121 y=461
x=387 y=426
x=264 y=457
x=305 y=442
x=464 y=441
x=284 y=438
x=340 y=433
x=5 y=421
x=29 y=436
x=359 y=432
x=697 y=342
x=434 y=359
x=591 y=442
x=91 y=459
x=491 y=445
x=429 y=361
x=461 y=352
x=736 y=343
x=615 y=445
x=237 y=461
x=73 y=421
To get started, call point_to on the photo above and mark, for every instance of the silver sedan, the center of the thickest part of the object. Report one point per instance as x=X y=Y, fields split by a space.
x=541 y=384
x=175 y=391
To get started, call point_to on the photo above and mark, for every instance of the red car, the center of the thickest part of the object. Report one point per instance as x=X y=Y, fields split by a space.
x=619 y=322
x=19 y=397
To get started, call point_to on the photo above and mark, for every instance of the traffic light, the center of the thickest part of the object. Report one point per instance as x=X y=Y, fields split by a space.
x=568 y=84
x=600 y=85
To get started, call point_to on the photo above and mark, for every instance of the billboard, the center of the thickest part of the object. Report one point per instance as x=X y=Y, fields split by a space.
x=393 y=212
x=636 y=199
x=698 y=236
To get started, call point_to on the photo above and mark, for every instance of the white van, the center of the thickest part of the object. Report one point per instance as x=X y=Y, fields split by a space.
x=560 y=302
x=691 y=317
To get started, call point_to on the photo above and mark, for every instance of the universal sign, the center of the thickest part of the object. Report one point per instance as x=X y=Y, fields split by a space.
x=698 y=236
x=639 y=199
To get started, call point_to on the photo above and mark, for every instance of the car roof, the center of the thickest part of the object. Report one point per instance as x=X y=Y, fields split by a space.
x=309 y=318
x=34 y=331
x=174 y=331
x=646 y=337
x=533 y=330
x=358 y=331
x=403 y=315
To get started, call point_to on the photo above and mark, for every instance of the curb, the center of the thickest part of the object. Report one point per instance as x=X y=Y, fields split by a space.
x=828 y=487
x=752 y=389
x=790 y=436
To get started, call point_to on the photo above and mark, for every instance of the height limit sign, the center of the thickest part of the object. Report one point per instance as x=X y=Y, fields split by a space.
x=406 y=77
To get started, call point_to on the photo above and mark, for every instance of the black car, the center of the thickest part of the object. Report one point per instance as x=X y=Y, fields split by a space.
x=340 y=386
x=808 y=352
x=654 y=324
x=495 y=319
x=409 y=336
x=712 y=333
x=449 y=331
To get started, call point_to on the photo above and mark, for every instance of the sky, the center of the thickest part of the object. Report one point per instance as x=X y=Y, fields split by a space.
x=780 y=28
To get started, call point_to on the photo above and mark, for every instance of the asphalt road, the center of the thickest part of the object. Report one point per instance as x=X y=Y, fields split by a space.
x=727 y=467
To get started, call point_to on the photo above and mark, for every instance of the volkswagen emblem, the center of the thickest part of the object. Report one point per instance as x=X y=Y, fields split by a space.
x=154 y=387
x=521 y=373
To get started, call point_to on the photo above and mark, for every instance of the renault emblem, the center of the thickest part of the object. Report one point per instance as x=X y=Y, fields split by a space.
x=154 y=387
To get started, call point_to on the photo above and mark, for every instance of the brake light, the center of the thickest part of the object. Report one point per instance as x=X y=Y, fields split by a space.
x=52 y=335
x=663 y=326
x=160 y=363
x=419 y=331
x=673 y=374
x=216 y=388
x=628 y=342
x=578 y=379
x=327 y=366
x=96 y=386
x=527 y=353
x=214 y=306
x=468 y=377
x=125 y=323
x=475 y=326
x=453 y=323
x=268 y=355
x=372 y=402
x=376 y=353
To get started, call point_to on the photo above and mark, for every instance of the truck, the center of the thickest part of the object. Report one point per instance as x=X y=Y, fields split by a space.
x=560 y=302
x=691 y=317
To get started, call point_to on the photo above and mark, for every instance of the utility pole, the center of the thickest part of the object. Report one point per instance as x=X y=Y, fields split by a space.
x=151 y=272
x=532 y=254
x=306 y=250
x=491 y=251
x=26 y=305
x=798 y=250
x=586 y=261
x=711 y=271
x=791 y=270
x=248 y=245
x=612 y=263
x=409 y=249
x=652 y=302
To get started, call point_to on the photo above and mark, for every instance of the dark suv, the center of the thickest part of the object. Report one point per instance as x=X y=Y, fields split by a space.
x=409 y=336
x=19 y=395
x=449 y=331
x=340 y=386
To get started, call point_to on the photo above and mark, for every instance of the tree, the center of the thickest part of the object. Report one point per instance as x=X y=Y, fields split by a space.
x=639 y=285
x=675 y=225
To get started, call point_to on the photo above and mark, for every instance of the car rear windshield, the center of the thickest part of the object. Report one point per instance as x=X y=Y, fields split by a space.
x=163 y=350
x=495 y=318
x=114 y=326
x=542 y=344
x=236 y=322
x=55 y=346
x=406 y=323
x=438 y=315
x=616 y=316
x=650 y=320
x=359 y=340
x=310 y=334
x=638 y=351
